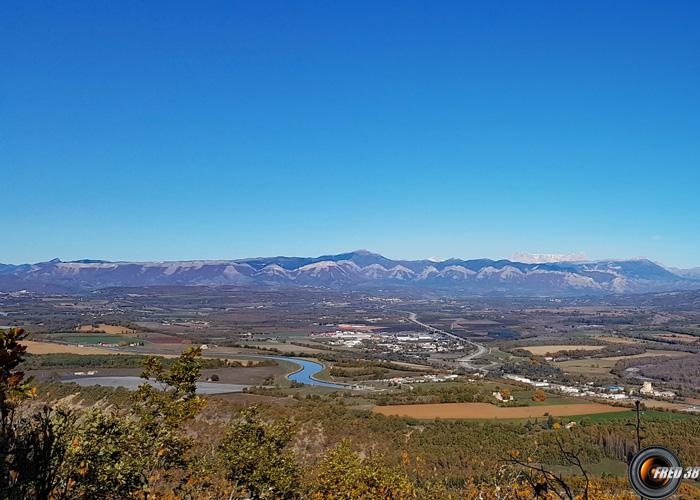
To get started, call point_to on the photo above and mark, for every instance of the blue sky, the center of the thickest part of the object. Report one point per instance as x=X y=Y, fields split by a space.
x=168 y=130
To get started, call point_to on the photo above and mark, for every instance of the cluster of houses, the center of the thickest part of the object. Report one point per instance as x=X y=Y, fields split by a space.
x=389 y=342
x=648 y=390
x=420 y=379
x=347 y=338
x=612 y=392
x=118 y=344
x=500 y=397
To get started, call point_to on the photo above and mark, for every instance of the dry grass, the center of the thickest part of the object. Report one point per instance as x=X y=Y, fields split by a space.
x=663 y=405
x=587 y=366
x=488 y=411
x=284 y=347
x=34 y=347
x=602 y=366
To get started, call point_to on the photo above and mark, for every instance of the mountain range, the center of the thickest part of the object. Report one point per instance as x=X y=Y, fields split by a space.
x=355 y=270
x=693 y=273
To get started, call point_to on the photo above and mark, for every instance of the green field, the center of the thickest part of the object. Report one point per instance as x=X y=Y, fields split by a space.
x=623 y=416
x=525 y=396
x=95 y=338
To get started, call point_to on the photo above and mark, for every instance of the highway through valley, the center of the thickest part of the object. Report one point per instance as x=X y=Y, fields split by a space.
x=464 y=361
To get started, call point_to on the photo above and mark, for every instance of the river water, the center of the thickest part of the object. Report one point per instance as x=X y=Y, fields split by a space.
x=306 y=372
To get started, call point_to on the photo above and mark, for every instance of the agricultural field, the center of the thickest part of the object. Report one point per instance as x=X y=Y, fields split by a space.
x=96 y=338
x=630 y=415
x=105 y=328
x=602 y=366
x=586 y=366
x=35 y=347
x=678 y=337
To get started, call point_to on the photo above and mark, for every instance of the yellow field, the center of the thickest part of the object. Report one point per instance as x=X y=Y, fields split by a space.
x=591 y=366
x=488 y=411
x=34 y=347
x=103 y=327
x=664 y=405
x=541 y=350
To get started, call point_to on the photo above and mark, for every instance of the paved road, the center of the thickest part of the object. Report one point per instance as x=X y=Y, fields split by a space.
x=465 y=361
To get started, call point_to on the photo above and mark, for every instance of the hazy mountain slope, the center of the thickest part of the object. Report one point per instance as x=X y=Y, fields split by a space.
x=693 y=273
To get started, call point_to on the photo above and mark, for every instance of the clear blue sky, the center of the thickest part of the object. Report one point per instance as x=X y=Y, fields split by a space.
x=183 y=130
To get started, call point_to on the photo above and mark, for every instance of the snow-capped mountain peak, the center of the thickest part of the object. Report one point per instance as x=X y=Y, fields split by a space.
x=548 y=275
x=541 y=258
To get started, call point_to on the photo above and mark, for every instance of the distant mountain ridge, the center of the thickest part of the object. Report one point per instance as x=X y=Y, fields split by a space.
x=693 y=273
x=358 y=269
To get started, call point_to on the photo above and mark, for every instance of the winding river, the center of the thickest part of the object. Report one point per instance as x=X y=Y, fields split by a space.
x=307 y=370
x=303 y=375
